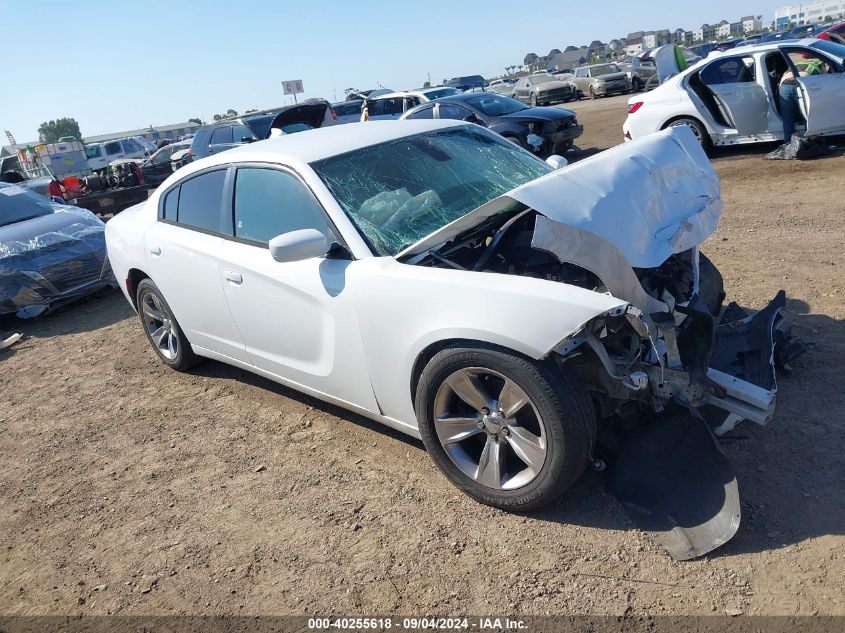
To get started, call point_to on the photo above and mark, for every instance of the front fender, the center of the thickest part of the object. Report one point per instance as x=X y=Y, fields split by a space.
x=403 y=309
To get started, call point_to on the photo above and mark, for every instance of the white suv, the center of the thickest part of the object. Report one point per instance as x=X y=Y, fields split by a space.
x=101 y=154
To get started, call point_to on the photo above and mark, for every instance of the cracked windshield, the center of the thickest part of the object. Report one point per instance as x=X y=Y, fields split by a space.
x=397 y=193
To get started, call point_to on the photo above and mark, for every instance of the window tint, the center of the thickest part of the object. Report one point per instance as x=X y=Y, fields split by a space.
x=270 y=202
x=222 y=135
x=199 y=200
x=381 y=107
x=347 y=108
x=450 y=111
x=240 y=132
x=171 y=201
x=732 y=70
x=423 y=113
x=130 y=146
x=113 y=147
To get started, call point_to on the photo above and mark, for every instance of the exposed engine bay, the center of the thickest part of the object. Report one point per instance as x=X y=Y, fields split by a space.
x=669 y=344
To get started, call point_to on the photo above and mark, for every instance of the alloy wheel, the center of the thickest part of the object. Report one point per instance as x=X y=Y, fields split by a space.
x=490 y=428
x=160 y=326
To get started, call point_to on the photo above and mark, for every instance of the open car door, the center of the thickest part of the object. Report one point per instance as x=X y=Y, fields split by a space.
x=823 y=102
x=743 y=102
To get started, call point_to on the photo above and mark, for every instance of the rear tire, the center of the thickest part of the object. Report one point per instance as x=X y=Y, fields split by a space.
x=636 y=84
x=697 y=128
x=532 y=444
x=162 y=330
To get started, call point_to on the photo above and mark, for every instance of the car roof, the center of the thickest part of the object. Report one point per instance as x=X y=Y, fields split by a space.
x=324 y=142
x=764 y=46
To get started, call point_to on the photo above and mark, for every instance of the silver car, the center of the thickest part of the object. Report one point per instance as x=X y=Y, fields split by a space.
x=601 y=80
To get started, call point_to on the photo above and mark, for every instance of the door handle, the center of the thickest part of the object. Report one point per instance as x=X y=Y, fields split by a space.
x=233 y=277
x=155 y=250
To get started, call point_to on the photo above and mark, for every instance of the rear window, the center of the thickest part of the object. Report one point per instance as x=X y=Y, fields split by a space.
x=386 y=107
x=222 y=136
x=18 y=204
x=347 y=108
x=199 y=201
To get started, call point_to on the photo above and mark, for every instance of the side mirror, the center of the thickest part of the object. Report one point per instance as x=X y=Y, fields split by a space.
x=556 y=161
x=298 y=245
x=247 y=139
x=474 y=119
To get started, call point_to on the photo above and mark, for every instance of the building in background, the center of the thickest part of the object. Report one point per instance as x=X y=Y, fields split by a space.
x=751 y=24
x=809 y=12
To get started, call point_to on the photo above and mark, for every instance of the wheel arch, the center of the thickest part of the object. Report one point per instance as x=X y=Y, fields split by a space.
x=134 y=277
x=428 y=352
x=708 y=141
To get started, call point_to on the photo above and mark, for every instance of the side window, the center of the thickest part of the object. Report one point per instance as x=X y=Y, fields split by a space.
x=423 y=113
x=171 y=202
x=581 y=72
x=222 y=136
x=269 y=202
x=450 y=111
x=112 y=148
x=809 y=63
x=199 y=201
x=240 y=132
x=732 y=70
x=382 y=107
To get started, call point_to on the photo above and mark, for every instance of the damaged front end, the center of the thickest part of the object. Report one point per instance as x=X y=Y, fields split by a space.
x=632 y=229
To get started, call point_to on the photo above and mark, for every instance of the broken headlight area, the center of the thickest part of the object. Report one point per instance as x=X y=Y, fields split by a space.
x=674 y=343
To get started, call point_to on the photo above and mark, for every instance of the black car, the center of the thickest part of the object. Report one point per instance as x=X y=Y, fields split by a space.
x=158 y=167
x=543 y=131
x=466 y=83
x=228 y=133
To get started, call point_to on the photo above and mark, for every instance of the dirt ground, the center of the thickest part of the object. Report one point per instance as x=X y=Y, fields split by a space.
x=127 y=488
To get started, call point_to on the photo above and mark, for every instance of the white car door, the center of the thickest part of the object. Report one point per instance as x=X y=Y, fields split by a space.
x=297 y=319
x=182 y=250
x=823 y=94
x=744 y=103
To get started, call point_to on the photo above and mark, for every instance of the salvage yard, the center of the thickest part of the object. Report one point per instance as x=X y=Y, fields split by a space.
x=128 y=488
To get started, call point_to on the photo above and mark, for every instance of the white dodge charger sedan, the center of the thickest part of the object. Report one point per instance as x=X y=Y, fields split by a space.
x=439 y=279
x=732 y=97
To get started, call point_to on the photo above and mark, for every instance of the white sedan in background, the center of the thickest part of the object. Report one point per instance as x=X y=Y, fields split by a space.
x=441 y=280
x=731 y=97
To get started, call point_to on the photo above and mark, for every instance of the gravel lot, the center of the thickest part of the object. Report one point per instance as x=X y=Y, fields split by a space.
x=127 y=488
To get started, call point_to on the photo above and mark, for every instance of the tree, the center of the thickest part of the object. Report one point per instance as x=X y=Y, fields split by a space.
x=229 y=114
x=196 y=120
x=52 y=131
x=427 y=84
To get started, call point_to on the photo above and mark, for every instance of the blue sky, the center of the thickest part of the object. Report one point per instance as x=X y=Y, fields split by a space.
x=116 y=65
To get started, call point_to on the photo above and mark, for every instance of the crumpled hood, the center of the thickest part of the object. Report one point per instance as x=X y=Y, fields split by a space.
x=650 y=198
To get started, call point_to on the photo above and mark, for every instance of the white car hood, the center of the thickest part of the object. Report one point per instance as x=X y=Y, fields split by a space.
x=650 y=198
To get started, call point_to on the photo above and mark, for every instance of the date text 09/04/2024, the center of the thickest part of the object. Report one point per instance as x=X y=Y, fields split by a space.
x=416 y=624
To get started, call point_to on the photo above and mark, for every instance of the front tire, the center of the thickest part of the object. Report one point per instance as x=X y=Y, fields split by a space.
x=636 y=84
x=163 y=332
x=534 y=99
x=509 y=432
